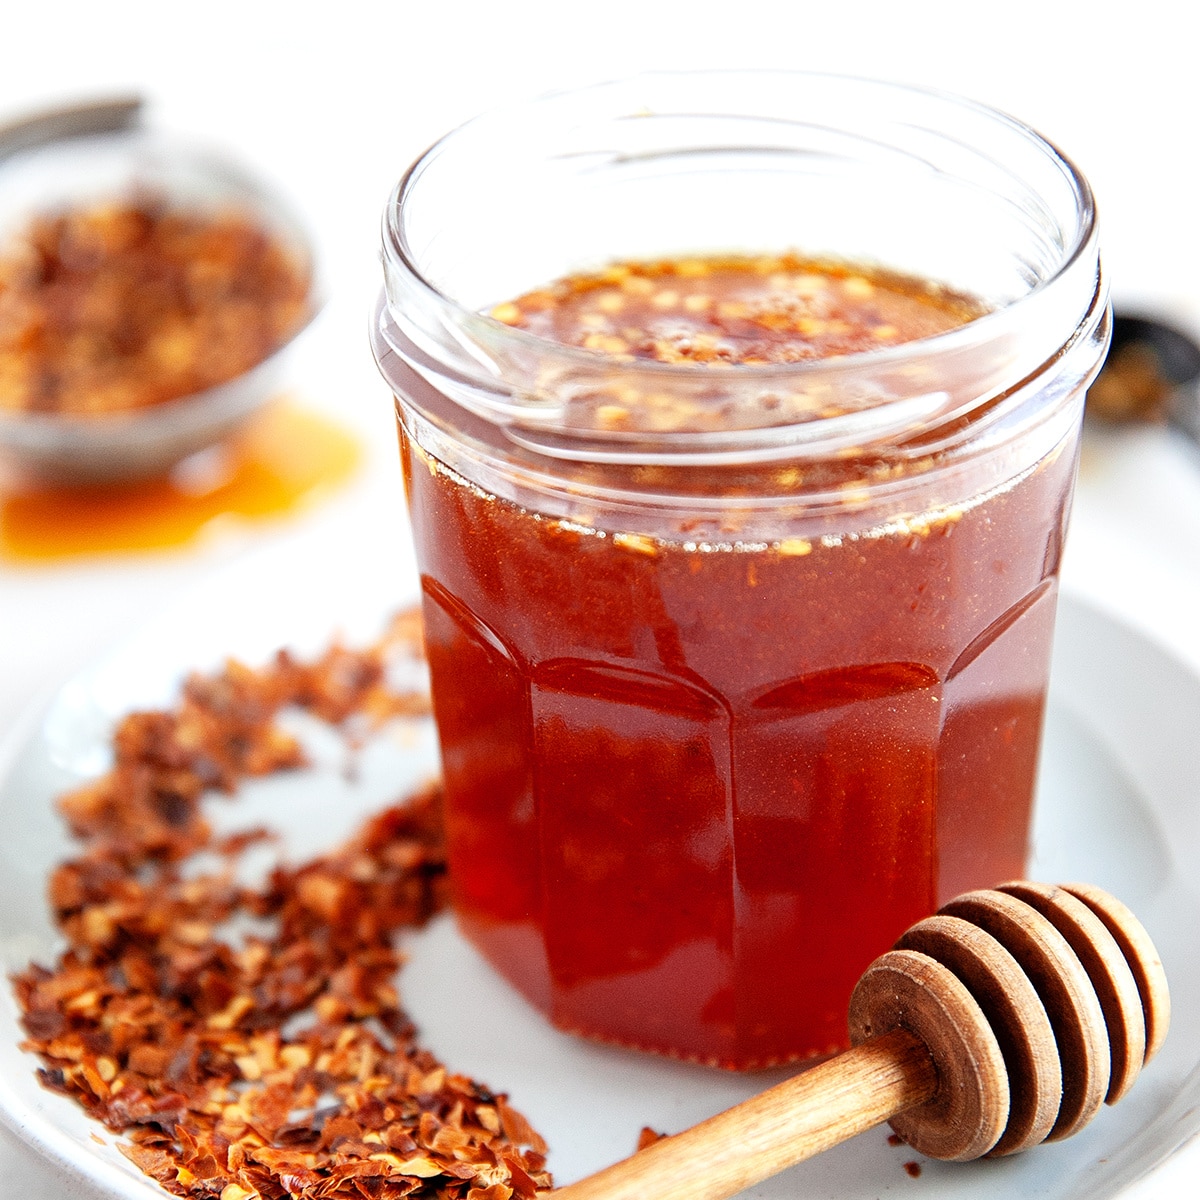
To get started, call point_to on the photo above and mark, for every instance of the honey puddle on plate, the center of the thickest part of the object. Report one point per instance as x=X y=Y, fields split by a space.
x=269 y=468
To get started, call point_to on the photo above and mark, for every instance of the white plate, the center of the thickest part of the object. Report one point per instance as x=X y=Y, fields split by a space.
x=1119 y=805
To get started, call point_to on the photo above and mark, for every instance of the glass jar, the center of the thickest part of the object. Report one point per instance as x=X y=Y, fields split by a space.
x=734 y=689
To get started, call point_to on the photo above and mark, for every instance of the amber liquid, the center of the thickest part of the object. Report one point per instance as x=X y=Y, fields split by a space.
x=280 y=461
x=692 y=796
x=693 y=788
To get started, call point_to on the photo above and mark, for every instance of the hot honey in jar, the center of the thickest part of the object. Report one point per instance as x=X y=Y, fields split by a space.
x=739 y=575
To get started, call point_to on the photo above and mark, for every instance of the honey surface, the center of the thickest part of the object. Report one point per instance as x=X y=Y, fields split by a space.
x=738 y=310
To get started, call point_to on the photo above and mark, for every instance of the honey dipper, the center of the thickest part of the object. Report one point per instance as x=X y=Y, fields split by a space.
x=1003 y=1021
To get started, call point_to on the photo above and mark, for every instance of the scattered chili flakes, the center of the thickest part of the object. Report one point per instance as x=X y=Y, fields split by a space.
x=280 y=1065
x=124 y=304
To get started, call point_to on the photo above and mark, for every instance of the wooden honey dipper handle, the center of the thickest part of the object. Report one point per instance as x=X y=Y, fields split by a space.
x=787 y=1123
x=1001 y=1022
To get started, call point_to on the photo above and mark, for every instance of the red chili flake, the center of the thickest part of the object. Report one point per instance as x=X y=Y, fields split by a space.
x=914 y=1169
x=281 y=1065
x=648 y=1136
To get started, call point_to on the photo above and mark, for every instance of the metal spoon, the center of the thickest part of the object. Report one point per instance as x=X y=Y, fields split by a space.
x=1152 y=374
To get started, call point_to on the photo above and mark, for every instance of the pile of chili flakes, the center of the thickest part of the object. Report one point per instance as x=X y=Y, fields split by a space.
x=121 y=305
x=279 y=1064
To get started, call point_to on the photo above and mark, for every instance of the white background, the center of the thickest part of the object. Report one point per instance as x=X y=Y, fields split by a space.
x=331 y=101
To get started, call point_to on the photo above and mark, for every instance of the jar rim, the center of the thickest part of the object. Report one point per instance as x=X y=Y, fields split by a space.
x=476 y=338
